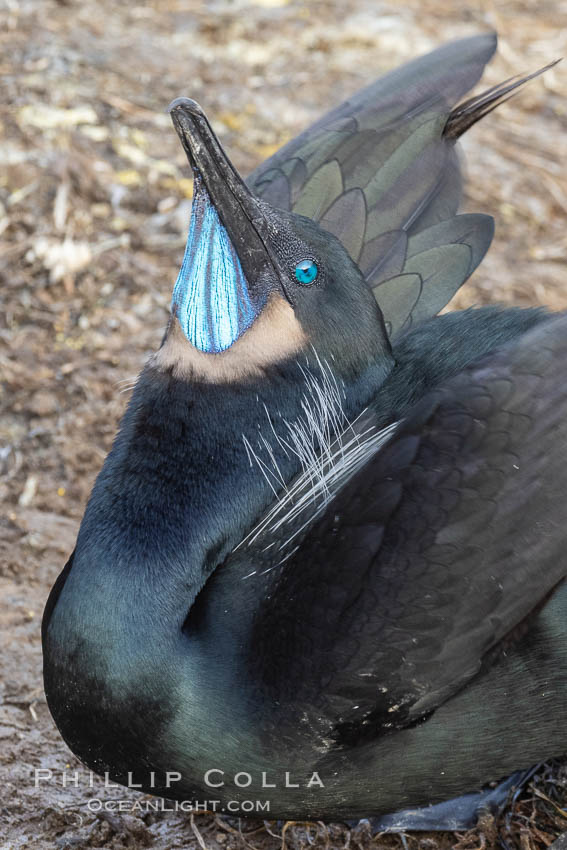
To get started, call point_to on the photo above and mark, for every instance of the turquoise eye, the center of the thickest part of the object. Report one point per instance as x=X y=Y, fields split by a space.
x=306 y=271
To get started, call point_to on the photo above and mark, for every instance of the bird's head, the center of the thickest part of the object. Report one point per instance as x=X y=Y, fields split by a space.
x=258 y=284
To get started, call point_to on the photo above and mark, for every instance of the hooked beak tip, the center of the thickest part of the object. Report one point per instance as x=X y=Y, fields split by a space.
x=184 y=104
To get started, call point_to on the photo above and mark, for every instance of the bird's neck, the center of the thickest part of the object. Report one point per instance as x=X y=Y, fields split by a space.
x=193 y=466
x=196 y=463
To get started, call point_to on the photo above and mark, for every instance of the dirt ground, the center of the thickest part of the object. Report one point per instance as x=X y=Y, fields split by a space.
x=94 y=207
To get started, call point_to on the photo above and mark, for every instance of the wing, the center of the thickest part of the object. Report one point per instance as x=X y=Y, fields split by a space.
x=432 y=558
x=378 y=169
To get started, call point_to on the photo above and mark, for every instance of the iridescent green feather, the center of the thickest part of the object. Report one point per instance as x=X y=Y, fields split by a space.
x=380 y=174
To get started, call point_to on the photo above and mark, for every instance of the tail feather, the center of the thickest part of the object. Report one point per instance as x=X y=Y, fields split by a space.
x=472 y=110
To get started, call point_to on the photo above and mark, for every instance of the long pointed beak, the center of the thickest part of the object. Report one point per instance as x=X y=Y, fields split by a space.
x=239 y=210
x=228 y=270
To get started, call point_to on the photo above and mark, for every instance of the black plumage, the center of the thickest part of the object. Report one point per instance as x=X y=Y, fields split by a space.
x=331 y=549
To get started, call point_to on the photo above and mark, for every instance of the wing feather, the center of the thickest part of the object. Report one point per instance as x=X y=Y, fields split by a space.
x=387 y=142
x=442 y=257
x=433 y=554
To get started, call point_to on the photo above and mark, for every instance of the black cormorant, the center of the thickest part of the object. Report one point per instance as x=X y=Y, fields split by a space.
x=322 y=566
